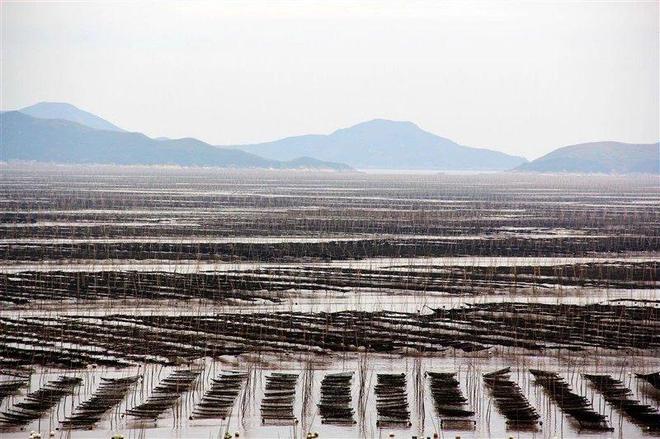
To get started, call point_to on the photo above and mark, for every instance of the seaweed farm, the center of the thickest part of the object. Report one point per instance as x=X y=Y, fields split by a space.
x=204 y=303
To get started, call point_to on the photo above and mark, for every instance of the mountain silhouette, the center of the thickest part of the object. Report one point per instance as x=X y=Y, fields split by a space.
x=27 y=138
x=64 y=111
x=386 y=144
x=599 y=157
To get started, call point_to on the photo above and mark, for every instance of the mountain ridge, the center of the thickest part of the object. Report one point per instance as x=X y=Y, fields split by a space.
x=374 y=144
x=66 y=111
x=605 y=157
x=26 y=138
x=386 y=144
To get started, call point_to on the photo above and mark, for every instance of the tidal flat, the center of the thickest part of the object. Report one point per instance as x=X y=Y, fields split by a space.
x=197 y=303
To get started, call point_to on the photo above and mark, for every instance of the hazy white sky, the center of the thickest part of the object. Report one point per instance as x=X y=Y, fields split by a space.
x=520 y=77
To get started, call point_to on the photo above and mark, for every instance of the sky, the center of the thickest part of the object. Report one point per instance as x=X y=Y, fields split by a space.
x=519 y=77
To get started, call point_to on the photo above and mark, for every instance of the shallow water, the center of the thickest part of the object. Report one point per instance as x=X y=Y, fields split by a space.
x=329 y=301
x=424 y=419
x=193 y=266
x=283 y=239
x=96 y=205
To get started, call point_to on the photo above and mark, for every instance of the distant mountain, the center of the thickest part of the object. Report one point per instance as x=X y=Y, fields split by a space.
x=64 y=111
x=599 y=157
x=23 y=137
x=386 y=144
x=312 y=163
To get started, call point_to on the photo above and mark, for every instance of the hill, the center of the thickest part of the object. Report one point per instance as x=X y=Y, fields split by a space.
x=599 y=157
x=23 y=137
x=64 y=111
x=386 y=144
